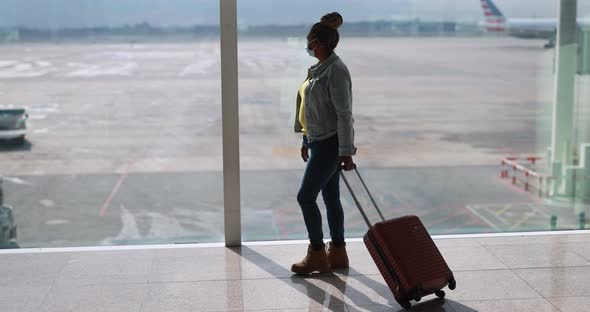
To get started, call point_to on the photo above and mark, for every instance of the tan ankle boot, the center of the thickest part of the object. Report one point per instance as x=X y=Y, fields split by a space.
x=314 y=261
x=337 y=257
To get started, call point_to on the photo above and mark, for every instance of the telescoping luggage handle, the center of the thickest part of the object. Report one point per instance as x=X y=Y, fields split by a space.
x=390 y=269
x=362 y=211
x=356 y=201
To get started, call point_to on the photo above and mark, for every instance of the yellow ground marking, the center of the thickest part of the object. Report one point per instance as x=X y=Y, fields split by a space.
x=523 y=220
x=501 y=212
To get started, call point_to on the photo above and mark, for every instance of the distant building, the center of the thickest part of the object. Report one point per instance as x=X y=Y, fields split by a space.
x=10 y=35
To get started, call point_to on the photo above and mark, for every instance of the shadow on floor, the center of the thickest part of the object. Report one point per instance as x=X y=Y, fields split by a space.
x=339 y=281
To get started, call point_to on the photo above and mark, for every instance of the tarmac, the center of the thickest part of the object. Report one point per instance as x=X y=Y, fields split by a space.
x=124 y=142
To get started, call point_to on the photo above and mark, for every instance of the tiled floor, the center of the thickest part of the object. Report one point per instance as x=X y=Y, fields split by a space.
x=521 y=273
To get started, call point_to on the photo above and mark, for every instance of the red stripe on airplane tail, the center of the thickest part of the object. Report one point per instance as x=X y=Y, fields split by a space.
x=495 y=21
x=496 y=29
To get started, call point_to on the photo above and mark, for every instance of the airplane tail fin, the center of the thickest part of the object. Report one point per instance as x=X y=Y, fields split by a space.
x=494 y=19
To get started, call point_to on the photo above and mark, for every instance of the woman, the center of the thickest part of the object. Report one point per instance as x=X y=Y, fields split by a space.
x=324 y=116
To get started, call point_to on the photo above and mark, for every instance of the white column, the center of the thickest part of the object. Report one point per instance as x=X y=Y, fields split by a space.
x=230 y=121
x=584 y=59
x=585 y=172
x=563 y=105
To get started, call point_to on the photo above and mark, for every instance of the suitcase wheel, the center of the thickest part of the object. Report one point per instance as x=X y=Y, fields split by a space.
x=440 y=293
x=405 y=304
x=417 y=297
x=452 y=284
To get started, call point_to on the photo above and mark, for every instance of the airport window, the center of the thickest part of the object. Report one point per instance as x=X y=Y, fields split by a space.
x=111 y=119
x=123 y=135
x=452 y=104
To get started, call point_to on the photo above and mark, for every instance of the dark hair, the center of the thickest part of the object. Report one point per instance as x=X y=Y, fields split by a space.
x=326 y=31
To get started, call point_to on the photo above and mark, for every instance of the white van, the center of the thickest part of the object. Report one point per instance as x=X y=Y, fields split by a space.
x=13 y=125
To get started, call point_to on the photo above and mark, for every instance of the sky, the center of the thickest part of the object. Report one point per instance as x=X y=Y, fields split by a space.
x=88 y=13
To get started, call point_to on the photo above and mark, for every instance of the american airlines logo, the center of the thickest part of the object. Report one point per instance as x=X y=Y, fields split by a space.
x=495 y=21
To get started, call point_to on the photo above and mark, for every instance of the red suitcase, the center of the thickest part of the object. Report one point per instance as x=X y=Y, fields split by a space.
x=405 y=254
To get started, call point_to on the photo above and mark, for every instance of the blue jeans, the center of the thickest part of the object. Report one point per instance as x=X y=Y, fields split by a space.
x=321 y=174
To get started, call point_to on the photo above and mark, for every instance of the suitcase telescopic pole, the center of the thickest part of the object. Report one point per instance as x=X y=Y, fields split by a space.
x=357 y=202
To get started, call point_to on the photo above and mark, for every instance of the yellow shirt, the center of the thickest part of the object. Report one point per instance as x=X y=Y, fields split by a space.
x=302 y=108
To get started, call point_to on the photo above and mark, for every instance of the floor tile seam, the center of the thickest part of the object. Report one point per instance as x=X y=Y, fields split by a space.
x=322 y=278
x=45 y=297
x=496 y=256
x=54 y=282
x=534 y=243
x=251 y=310
x=552 y=304
x=303 y=308
x=103 y=284
x=144 y=297
x=510 y=234
x=562 y=246
x=241 y=274
x=152 y=262
x=193 y=281
x=37 y=307
x=495 y=298
x=346 y=305
x=480 y=244
x=512 y=271
x=26 y=284
x=559 y=297
x=230 y=279
x=550 y=267
x=307 y=277
x=116 y=276
x=349 y=306
x=318 y=305
x=361 y=274
x=225 y=280
x=531 y=287
x=578 y=254
x=553 y=267
x=150 y=272
x=241 y=278
x=481 y=270
x=141 y=307
x=302 y=277
x=510 y=299
x=501 y=299
x=225 y=310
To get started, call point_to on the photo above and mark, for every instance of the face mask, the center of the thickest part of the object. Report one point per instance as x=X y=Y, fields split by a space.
x=308 y=50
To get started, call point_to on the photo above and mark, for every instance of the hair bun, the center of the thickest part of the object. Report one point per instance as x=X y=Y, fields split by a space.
x=332 y=20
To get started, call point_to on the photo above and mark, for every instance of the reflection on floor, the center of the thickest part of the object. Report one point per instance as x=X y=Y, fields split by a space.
x=507 y=273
